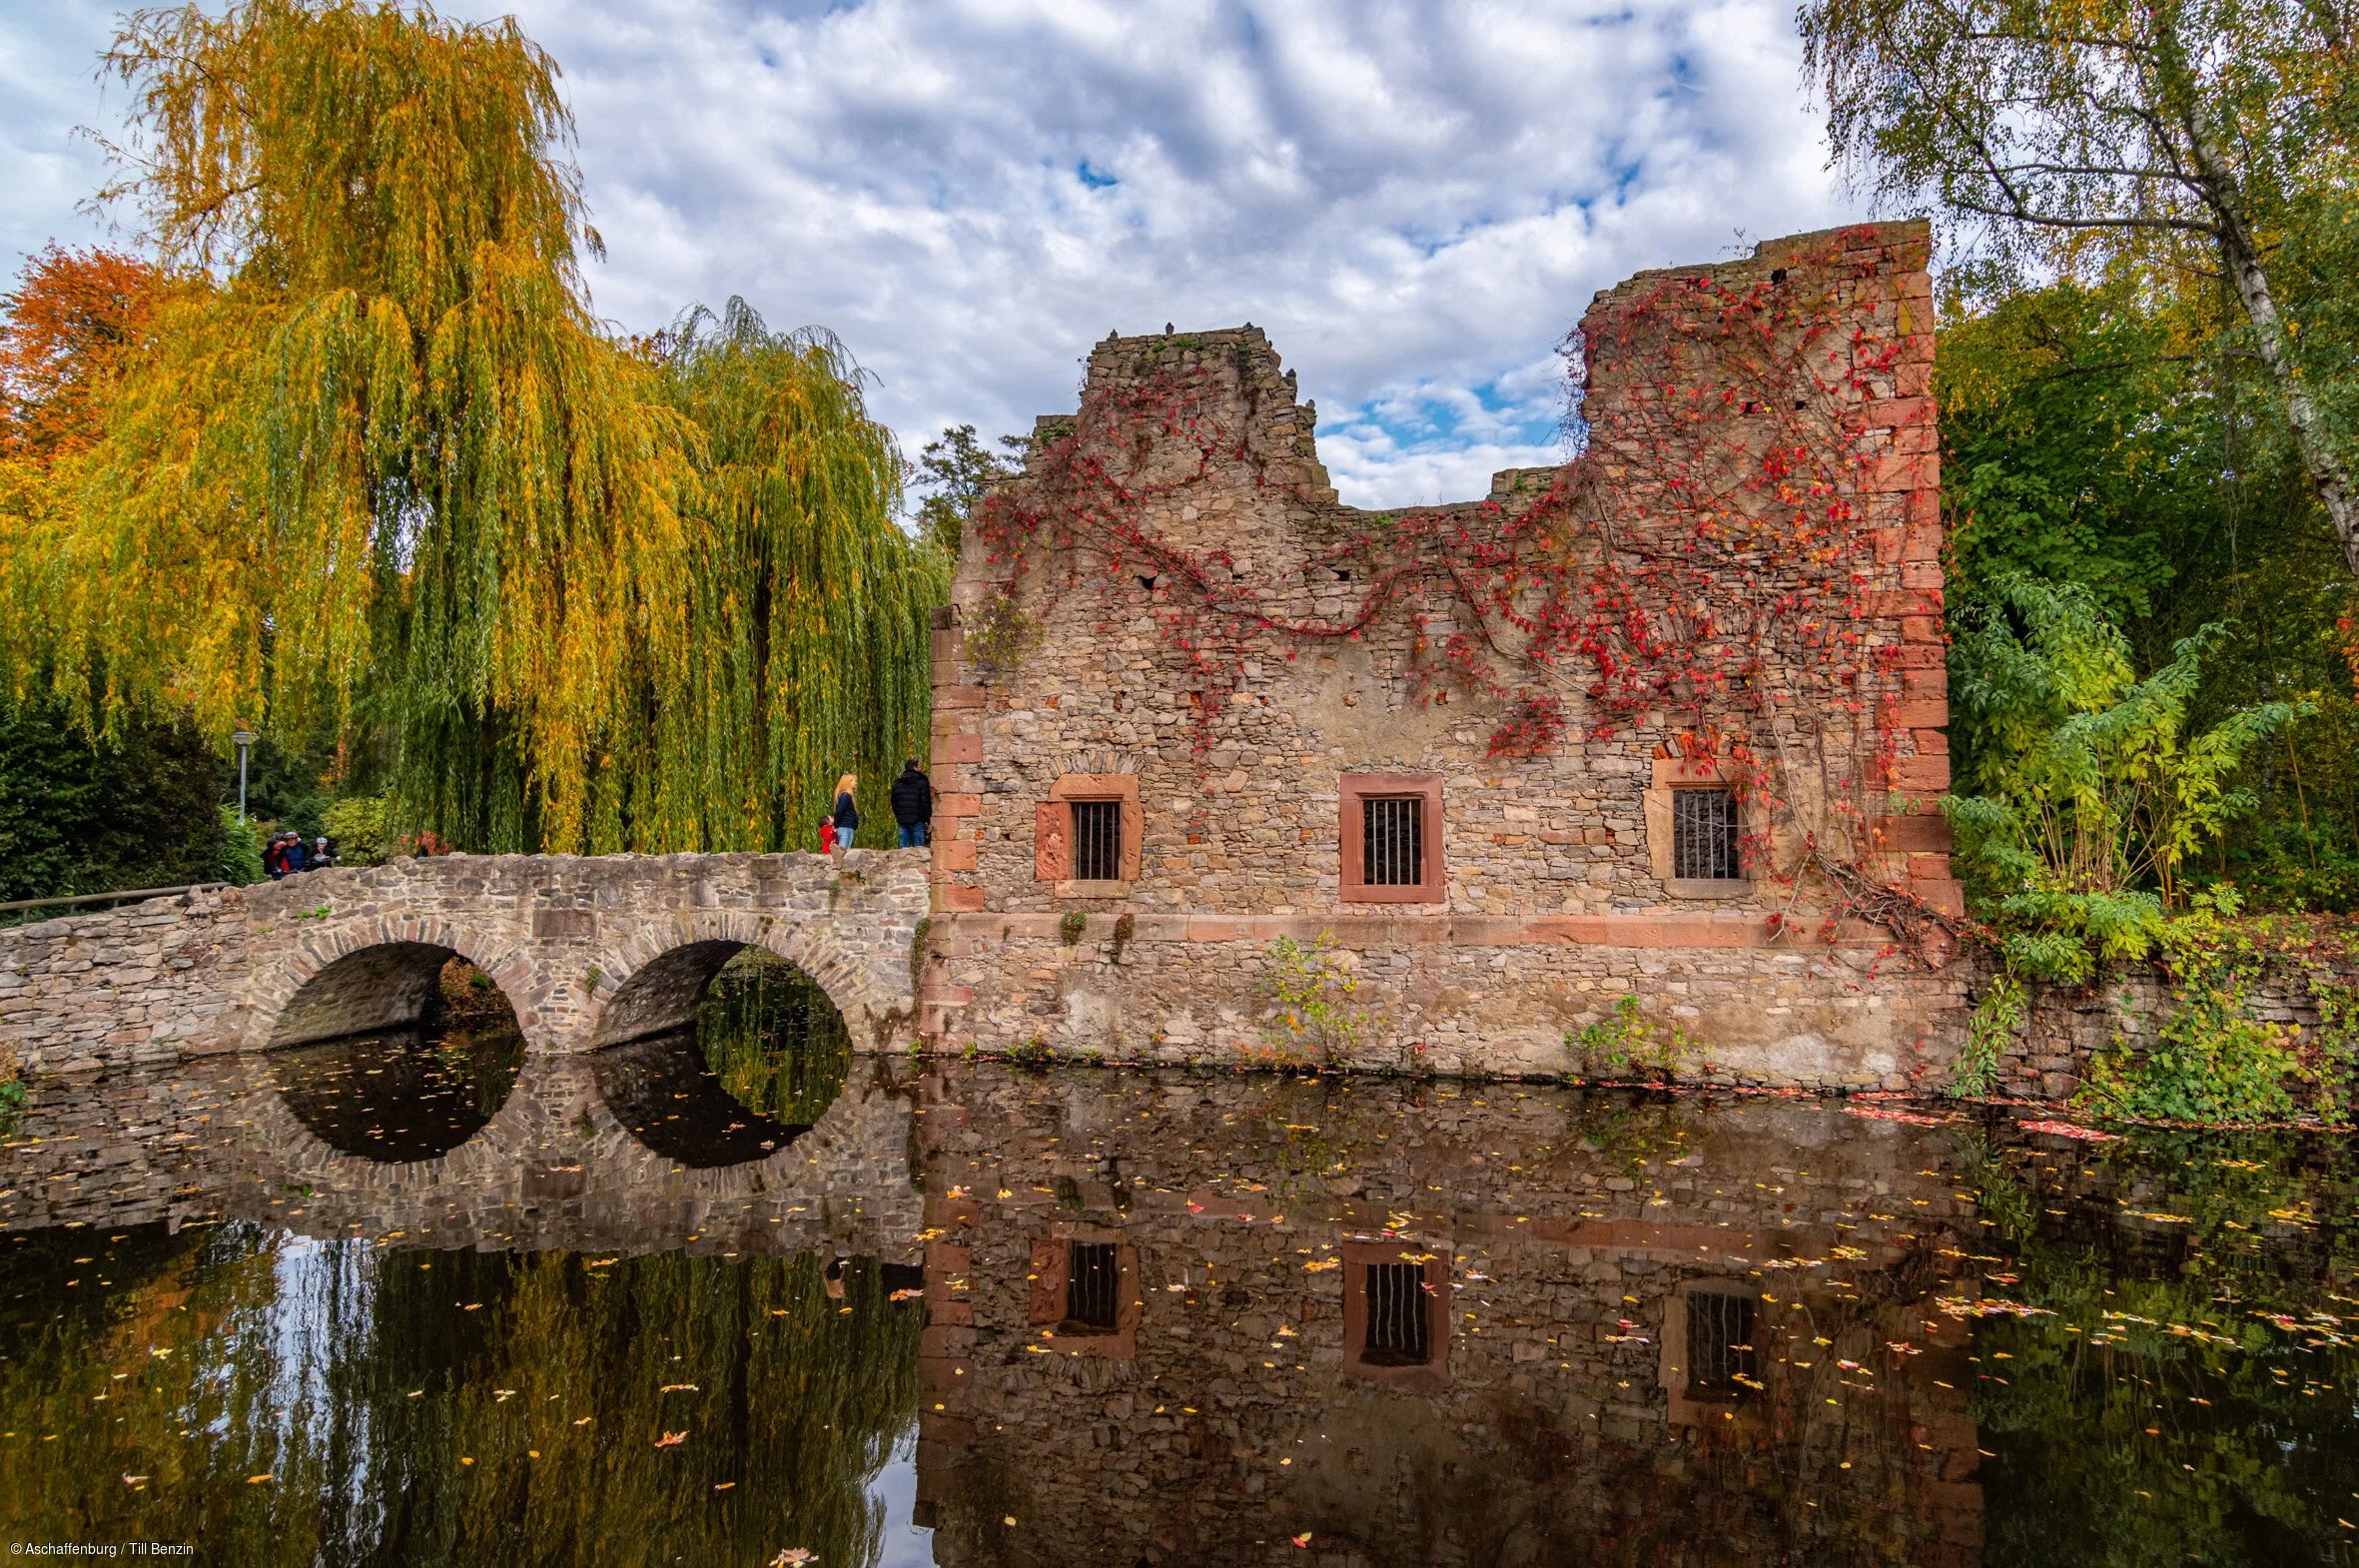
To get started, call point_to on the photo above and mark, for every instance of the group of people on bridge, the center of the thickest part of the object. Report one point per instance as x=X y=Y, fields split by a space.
x=912 y=798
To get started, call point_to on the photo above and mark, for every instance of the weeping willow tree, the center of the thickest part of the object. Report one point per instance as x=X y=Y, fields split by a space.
x=375 y=464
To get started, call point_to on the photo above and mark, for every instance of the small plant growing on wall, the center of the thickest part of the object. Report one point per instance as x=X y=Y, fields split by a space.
x=1069 y=929
x=1989 y=1032
x=998 y=634
x=1314 y=1018
x=1035 y=1054
x=1626 y=1044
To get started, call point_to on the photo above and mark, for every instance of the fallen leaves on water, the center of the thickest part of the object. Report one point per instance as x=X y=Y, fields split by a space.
x=2087 y=1134
x=257 y=1480
x=1302 y=1540
x=1878 y=1114
x=1316 y=1265
x=905 y=1295
x=793 y=1557
x=673 y=1389
x=671 y=1439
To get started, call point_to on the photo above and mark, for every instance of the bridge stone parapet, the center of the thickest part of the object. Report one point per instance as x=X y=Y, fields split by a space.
x=590 y=951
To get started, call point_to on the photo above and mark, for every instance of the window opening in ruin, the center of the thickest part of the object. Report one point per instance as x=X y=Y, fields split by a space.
x=1704 y=835
x=1092 y=1274
x=1098 y=840
x=1393 y=841
x=1719 y=1357
x=1397 y=1334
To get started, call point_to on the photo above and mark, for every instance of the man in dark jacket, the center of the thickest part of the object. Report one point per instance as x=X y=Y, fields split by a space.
x=913 y=805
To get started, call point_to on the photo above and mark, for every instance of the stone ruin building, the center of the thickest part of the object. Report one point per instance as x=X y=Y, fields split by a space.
x=1663 y=723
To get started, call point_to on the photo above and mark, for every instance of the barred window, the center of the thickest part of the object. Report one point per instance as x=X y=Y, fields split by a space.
x=1092 y=1274
x=1393 y=841
x=1704 y=835
x=1098 y=840
x=1396 y=1319
x=1719 y=1360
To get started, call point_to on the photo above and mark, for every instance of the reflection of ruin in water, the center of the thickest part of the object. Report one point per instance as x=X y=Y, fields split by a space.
x=409 y=1092
x=765 y=1056
x=1177 y=1317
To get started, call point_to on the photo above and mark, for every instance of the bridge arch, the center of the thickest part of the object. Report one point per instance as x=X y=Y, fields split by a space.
x=350 y=977
x=648 y=982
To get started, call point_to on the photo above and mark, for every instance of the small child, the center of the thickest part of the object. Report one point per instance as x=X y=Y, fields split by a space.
x=827 y=835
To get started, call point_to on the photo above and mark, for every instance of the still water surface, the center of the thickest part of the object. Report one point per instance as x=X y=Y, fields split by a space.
x=421 y=1302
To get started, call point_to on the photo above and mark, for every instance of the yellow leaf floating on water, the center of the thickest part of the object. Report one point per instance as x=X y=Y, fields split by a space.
x=673 y=1389
x=671 y=1439
x=257 y=1480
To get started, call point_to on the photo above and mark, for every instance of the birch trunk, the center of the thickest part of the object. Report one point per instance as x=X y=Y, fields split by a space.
x=2328 y=473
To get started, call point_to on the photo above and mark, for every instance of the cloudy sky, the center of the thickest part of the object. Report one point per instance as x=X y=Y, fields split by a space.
x=1415 y=200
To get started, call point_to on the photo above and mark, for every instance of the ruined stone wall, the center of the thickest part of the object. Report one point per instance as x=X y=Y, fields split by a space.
x=1144 y=668
x=1228 y=1419
x=562 y=936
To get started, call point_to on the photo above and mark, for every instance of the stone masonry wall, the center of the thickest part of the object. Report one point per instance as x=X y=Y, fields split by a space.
x=562 y=936
x=1095 y=674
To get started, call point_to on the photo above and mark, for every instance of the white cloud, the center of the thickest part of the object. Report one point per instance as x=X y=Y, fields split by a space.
x=1416 y=201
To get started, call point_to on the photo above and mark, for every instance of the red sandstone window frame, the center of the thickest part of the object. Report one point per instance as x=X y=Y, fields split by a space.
x=1052 y=831
x=1352 y=882
x=1052 y=1258
x=1670 y=775
x=1358 y=1255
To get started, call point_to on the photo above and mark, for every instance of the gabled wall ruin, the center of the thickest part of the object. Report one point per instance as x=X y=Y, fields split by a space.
x=1663 y=723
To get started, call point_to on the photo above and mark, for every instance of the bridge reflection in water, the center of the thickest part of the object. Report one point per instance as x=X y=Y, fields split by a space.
x=1164 y=1318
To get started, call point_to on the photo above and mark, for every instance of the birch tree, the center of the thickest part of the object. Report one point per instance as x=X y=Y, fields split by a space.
x=2189 y=135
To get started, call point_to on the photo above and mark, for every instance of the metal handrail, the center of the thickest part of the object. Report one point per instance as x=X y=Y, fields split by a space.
x=127 y=896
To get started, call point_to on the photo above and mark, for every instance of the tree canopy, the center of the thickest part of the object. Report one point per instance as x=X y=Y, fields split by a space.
x=373 y=468
x=2181 y=138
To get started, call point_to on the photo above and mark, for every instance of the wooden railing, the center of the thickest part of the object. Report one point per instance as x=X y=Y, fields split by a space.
x=127 y=896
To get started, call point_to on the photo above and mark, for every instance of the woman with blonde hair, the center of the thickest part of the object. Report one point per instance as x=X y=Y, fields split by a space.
x=846 y=814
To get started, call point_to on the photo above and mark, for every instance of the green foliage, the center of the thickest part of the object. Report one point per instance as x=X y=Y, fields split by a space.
x=1071 y=927
x=958 y=470
x=1989 y=1029
x=2162 y=142
x=998 y=634
x=132 y=809
x=2088 y=785
x=1312 y=1018
x=1627 y=1044
x=240 y=863
x=13 y=1095
x=356 y=825
x=773 y=1037
x=2211 y=1061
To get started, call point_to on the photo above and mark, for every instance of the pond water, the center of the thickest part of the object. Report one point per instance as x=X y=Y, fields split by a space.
x=735 y=1296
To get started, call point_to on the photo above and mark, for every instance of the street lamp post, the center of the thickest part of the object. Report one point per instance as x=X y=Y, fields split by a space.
x=242 y=740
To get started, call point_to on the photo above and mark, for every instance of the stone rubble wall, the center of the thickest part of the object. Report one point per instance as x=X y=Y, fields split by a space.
x=1556 y=901
x=560 y=935
x=2066 y=1028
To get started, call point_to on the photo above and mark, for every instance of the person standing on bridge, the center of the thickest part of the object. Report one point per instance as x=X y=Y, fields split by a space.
x=913 y=805
x=846 y=814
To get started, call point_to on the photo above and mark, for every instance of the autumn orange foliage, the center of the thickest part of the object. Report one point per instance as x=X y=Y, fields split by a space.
x=62 y=339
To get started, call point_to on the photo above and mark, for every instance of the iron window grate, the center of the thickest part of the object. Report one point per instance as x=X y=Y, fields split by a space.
x=1098 y=840
x=1093 y=1273
x=1392 y=842
x=1704 y=835
x=1398 y=1332
x=1720 y=1358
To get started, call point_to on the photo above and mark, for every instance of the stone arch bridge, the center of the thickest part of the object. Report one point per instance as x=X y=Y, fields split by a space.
x=590 y=951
